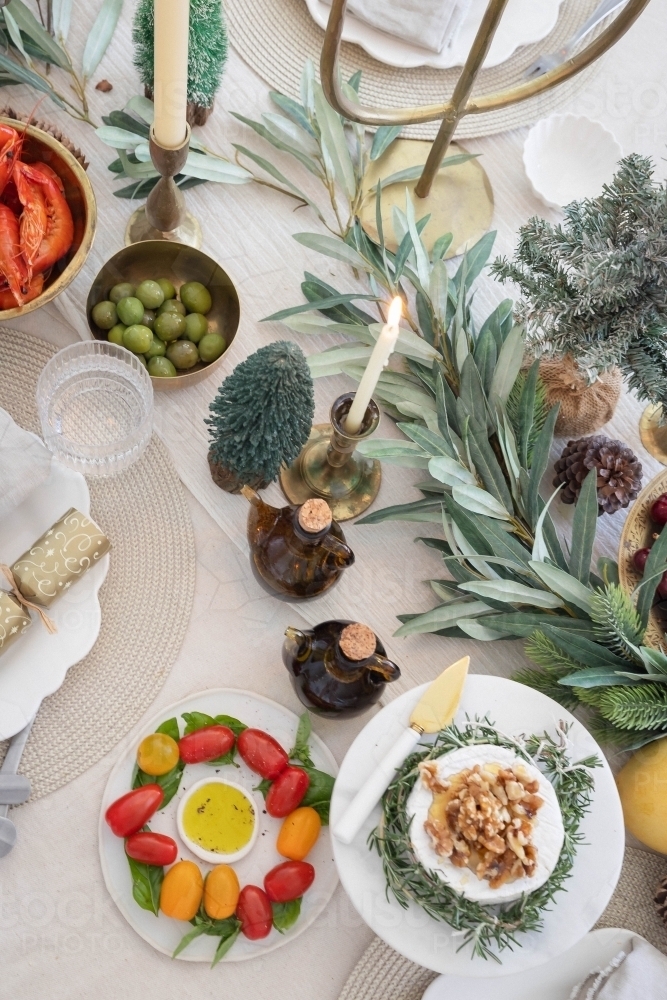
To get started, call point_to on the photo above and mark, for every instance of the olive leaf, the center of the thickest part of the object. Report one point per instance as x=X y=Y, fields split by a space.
x=100 y=35
x=442 y=617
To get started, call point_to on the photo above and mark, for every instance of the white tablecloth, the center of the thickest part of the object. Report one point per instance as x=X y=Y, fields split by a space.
x=60 y=934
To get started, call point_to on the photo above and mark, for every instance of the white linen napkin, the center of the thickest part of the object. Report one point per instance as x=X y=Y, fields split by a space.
x=24 y=463
x=637 y=973
x=431 y=24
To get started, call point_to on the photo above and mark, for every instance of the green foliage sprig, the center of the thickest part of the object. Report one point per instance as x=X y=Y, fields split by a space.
x=29 y=50
x=486 y=929
x=595 y=287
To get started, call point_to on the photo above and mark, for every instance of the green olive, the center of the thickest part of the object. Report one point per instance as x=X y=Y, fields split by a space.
x=148 y=318
x=150 y=293
x=169 y=326
x=121 y=291
x=158 y=349
x=141 y=359
x=168 y=289
x=130 y=310
x=196 y=297
x=211 y=346
x=161 y=368
x=183 y=354
x=104 y=315
x=196 y=326
x=172 y=306
x=137 y=338
x=115 y=334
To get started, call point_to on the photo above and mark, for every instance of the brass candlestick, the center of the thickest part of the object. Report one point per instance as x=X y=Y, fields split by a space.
x=460 y=199
x=165 y=217
x=331 y=468
x=653 y=432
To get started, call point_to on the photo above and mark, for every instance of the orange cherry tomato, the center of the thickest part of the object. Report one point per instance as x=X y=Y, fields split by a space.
x=221 y=892
x=182 y=891
x=157 y=754
x=298 y=833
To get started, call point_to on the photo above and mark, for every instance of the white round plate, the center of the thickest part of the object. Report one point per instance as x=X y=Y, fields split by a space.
x=524 y=22
x=164 y=933
x=514 y=709
x=569 y=157
x=36 y=664
x=553 y=981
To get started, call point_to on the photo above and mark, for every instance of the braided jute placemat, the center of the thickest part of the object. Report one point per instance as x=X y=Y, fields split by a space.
x=275 y=38
x=146 y=599
x=382 y=974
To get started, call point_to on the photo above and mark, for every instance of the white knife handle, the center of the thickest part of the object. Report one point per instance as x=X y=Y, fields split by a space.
x=371 y=791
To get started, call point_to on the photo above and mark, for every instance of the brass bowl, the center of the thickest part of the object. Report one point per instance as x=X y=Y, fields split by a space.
x=179 y=263
x=40 y=146
x=636 y=534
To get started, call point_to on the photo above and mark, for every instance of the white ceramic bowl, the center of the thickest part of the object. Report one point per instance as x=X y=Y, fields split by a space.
x=569 y=157
x=216 y=857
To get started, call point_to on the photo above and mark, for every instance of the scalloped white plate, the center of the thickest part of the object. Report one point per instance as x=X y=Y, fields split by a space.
x=36 y=664
x=514 y=709
x=164 y=933
x=524 y=22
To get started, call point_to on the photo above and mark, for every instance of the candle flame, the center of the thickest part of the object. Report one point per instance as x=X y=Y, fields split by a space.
x=395 y=311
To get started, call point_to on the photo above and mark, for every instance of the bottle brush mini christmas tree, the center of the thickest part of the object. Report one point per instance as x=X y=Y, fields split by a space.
x=206 y=58
x=261 y=417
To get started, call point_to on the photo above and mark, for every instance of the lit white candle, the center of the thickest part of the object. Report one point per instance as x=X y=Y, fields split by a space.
x=170 y=71
x=378 y=360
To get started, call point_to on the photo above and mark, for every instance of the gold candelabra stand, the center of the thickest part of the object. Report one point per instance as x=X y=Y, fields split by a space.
x=460 y=199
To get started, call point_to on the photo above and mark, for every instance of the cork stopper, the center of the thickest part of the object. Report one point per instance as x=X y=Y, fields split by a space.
x=315 y=516
x=357 y=642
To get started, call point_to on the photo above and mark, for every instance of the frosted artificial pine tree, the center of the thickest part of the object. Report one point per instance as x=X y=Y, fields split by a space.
x=261 y=417
x=206 y=59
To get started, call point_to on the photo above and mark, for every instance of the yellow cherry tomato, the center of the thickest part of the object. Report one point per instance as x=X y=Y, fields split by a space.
x=221 y=892
x=182 y=891
x=157 y=754
x=298 y=833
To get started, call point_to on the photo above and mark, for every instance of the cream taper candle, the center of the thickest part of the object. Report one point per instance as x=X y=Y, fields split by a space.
x=170 y=71
x=384 y=346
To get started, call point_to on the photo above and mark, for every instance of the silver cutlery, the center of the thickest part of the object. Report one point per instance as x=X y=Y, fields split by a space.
x=552 y=59
x=14 y=789
x=10 y=766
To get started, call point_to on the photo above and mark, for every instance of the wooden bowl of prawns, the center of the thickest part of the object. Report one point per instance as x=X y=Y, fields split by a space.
x=47 y=218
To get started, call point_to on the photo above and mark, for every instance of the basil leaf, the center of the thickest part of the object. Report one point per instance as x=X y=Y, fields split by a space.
x=195 y=721
x=231 y=723
x=227 y=939
x=319 y=792
x=170 y=728
x=169 y=782
x=146 y=884
x=301 y=750
x=227 y=758
x=263 y=787
x=285 y=915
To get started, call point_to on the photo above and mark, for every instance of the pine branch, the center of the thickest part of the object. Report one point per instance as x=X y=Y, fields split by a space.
x=640 y=707
x=617 y=623
x=545 y=682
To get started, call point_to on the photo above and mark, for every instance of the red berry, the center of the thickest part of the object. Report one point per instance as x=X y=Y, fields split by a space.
x=659 y=510
x=639 y=559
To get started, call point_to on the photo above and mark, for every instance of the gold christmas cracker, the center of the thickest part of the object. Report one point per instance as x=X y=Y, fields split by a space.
x=59 y=558
x=13 y=621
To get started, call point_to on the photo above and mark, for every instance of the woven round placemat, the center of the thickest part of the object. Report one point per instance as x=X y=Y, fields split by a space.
x=146 y=599
x=382 y=974
x=276 y=36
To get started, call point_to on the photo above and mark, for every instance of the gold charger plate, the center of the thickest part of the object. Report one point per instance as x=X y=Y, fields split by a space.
x=636 y=534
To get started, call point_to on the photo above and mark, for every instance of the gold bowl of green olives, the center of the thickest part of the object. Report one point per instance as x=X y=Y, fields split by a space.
x=169 y=304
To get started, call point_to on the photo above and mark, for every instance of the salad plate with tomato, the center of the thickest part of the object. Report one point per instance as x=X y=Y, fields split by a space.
x=214 y=837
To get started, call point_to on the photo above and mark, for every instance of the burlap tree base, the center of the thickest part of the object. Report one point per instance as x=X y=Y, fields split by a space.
x=583 y=408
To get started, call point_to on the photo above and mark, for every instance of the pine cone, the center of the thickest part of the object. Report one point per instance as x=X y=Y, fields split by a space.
x=619 y=473
x=660 y=899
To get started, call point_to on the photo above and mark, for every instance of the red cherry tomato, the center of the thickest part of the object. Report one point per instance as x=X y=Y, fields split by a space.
x=288 y=881
x=659 y=509
x=639 y=559
x=206 y=744
x=255 y=913
x=151 y=848
x=130 y=812
x=262 y=753
x=286 y=792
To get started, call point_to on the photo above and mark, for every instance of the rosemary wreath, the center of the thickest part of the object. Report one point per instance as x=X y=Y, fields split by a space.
x=483 y=926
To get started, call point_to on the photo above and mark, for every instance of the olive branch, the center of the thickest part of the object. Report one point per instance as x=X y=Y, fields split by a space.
x=483 y=927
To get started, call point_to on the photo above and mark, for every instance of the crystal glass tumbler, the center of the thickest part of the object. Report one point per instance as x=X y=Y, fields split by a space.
x=95 y=404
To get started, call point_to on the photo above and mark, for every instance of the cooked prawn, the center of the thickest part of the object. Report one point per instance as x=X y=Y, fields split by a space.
x=34 y=220
x=11 y=143
x=8 y=301
x=12 y=266
x=59 y=232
